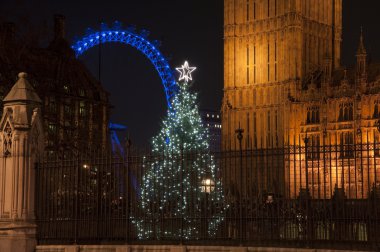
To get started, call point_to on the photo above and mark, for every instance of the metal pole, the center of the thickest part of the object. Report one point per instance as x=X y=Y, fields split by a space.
x=375 y=196
x=127 y=197
x=306 y=140
x=239 y=136
x=308 y=228
x=37 y=181
x=76 y=167
x=182 y=193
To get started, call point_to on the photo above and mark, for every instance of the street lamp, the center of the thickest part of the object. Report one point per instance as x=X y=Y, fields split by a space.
x=239 y=134
x=270 y=199
x=207 y=185
x=359 y=131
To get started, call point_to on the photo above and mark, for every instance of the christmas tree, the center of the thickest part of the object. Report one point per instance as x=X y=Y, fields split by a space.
x=180 y=186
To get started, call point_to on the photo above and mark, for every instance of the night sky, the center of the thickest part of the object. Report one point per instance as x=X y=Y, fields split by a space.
x=188 y=30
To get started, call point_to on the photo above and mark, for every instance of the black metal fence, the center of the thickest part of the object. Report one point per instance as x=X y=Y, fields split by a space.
x=94 y=197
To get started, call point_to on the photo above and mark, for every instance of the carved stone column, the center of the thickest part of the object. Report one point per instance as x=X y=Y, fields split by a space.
x=21 y=144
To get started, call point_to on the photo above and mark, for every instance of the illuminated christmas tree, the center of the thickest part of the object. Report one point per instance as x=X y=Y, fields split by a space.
x=180 y=186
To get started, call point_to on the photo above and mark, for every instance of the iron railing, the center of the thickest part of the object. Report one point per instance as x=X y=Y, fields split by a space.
x=94 y=197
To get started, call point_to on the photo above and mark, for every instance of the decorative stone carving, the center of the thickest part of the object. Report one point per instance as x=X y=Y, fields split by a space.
x=7 y=142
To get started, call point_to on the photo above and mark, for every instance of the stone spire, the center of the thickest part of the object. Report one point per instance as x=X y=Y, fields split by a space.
x=361 y=48
x=361 y=58
x=22 y=136
x=22 y=91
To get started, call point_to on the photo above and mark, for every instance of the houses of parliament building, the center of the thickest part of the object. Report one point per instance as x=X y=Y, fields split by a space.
x=75 y=106
x=285 y=87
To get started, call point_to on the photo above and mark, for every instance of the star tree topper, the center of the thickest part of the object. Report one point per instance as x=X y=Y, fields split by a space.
x=185 y=72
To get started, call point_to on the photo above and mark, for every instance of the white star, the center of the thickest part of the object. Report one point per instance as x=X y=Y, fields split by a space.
x=186 y=71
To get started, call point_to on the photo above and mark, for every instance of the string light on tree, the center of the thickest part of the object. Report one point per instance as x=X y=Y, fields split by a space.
x=185 y=72
x=181 y=174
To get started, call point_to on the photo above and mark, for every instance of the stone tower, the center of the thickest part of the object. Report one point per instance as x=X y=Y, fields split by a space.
x=21 y=145
x=271 y=48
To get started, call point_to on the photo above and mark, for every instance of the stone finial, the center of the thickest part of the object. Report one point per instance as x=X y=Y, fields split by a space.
x=22 y=75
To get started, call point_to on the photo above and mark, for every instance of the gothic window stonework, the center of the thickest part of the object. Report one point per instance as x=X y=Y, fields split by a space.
x=313 y=147
x=312 y=115
x=346 y=145
x=346 y=112
x=7 y=140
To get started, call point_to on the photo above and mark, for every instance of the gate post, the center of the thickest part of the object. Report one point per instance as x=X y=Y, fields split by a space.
x=21 y=144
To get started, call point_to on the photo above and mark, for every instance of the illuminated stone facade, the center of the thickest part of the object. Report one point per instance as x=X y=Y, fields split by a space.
x=283 y=83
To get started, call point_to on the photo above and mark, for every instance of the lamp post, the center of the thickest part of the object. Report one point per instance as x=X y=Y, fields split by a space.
x=306 y=141
x=377 y=124
x=239 y=134
x=207 y=186
x=308 y=224
x=375 y=168
x=324 y=161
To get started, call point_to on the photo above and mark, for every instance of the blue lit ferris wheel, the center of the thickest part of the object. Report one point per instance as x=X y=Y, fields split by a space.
x=137 y=40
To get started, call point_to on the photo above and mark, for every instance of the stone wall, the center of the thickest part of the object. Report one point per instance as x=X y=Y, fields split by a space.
x=141 y=248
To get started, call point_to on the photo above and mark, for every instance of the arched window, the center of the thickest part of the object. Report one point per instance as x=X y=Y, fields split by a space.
x=317 y=117
x=313 y=149
x=340 y=118
x=346 y=145
x=376 y=110
x=351 y=113
x=345 y=114
x=312 y=115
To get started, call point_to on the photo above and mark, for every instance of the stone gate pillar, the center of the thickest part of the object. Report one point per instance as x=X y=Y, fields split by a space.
x=21 y=144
